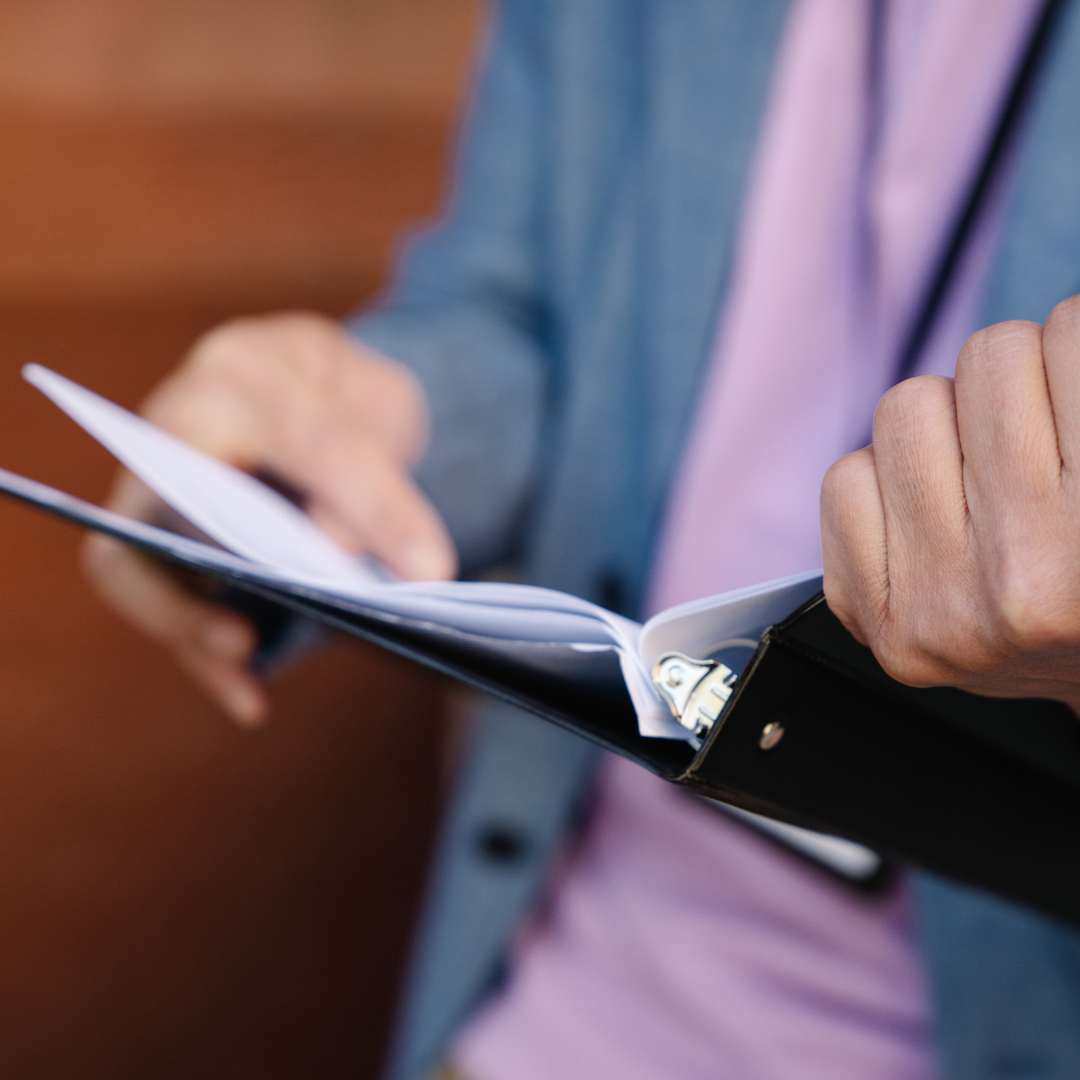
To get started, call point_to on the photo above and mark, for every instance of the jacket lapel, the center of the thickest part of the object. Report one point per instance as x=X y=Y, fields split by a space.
x=1038 y=262
x=710 y=66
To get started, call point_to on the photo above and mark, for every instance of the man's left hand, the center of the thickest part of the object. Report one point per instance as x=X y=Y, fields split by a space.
x=952 y=544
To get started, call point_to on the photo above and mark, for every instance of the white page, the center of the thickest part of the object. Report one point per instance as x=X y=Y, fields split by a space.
x=250 y=519
x=255 y=522
x=278 y=543
x=842 y=855
x=235 y=509
x=698 y=627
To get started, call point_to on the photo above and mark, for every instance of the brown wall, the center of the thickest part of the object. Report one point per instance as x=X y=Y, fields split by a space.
x=179 y=898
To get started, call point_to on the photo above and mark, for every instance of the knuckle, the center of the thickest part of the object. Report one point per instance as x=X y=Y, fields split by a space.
x=295 y=346
x=903 y=403
x=833 y=486
x=846 y=473
x=912 y=420
x=839 y=475
x=228 y=350
x=924 y=391
x=994 y=347
x=401 y=389
x=1065 y=318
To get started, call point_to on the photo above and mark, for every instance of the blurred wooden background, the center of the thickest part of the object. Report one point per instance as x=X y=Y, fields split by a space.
x=179 y=898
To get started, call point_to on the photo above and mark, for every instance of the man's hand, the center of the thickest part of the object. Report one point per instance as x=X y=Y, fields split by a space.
x=952 y=545
x=294 y=396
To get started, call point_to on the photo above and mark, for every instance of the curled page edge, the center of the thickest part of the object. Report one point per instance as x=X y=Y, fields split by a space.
x=697 y=627
x=181 y=474
x=233 y=508
x=613 y=633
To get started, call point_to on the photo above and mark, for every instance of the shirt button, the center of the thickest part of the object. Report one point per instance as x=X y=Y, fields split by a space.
x=501 y=844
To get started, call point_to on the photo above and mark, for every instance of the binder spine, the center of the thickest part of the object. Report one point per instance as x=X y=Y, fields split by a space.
x=869 y=764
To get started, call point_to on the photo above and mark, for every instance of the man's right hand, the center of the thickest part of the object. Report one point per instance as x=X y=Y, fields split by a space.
x=293 y=396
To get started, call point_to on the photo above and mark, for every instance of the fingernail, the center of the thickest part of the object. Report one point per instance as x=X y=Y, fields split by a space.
x=225 y=638
x=422 y=561
x=244 y=704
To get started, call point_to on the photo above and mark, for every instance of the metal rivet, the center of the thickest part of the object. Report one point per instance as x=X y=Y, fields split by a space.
x=771 y=734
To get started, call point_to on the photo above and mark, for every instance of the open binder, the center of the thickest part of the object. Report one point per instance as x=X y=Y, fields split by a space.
x=807 y=728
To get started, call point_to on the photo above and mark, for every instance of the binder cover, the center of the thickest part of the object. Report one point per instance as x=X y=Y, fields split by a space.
x=985 y=791
x=982 y=790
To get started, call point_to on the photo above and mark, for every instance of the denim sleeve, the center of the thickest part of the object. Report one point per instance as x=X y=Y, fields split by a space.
x=465 y=311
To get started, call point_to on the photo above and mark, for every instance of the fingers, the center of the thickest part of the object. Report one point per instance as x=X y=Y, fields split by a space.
x=213 y=644
x=1061 y=357
x=935 y=624
x=1005 y=421
x=919 y=465
x=960 y=510
x=854 y=547
x=1018 y=397
x=281 y=380
x=294 y=395
x=367 y=502
x=896 y=540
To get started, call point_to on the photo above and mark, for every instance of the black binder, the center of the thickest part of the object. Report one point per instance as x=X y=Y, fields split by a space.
x=982 y=790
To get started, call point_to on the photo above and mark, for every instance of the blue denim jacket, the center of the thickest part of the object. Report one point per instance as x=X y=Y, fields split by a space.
x=559 y=319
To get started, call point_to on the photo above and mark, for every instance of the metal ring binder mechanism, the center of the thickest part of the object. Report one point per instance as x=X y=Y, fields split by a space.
x=695 y=690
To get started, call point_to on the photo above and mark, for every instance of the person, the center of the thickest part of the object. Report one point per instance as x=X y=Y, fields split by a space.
x=690 y=248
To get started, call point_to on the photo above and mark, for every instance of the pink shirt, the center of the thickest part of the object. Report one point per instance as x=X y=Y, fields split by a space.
x=677 y=943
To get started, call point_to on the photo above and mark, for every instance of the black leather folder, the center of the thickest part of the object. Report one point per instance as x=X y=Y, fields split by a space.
x=982 y=790
x=985 y=791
